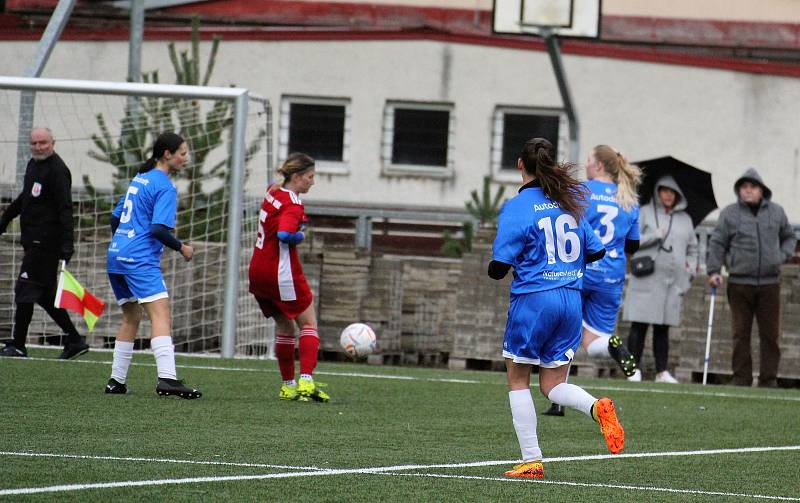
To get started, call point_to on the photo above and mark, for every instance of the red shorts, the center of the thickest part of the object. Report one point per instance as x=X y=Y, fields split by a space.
x=291 y=309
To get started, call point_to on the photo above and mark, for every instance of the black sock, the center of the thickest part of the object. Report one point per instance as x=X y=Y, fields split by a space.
x=22 y=320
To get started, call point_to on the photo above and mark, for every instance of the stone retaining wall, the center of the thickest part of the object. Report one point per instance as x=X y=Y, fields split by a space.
x=424 y=310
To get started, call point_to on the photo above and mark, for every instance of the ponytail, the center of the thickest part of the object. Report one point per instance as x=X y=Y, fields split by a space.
x=149 y=164
x=296 y=163
x=625 y=175
x=165 y=142
x=558 y=183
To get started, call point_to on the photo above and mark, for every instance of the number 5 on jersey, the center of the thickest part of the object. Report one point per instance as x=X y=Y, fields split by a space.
x=262 y=217
x=127 y=206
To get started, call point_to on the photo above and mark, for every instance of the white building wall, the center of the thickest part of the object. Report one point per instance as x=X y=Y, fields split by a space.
x=720 y=120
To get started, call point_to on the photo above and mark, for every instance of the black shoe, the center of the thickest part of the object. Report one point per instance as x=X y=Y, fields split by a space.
x=14 y=352
x=74 y=350
x=768 y=383
x=116 y=388
x=621 y=355
x=554 y=410
x=167 y=387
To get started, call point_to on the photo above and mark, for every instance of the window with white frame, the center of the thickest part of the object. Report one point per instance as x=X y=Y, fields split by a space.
x=319 y=127
x=513 y=126
x=418 y=139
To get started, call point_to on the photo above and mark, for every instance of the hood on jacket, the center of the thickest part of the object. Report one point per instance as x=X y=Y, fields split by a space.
x=751 y=175
x=670 y=183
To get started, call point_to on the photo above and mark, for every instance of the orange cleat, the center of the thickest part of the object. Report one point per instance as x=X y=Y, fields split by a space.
x=529 y=469
x=603 y=411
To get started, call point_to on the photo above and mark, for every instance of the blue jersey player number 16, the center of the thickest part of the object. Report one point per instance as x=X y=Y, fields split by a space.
x=543 y=236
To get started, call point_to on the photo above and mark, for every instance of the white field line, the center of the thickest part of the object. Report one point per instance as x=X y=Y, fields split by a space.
x=389 y=470
x=590 y=457
x=155 y=460
x=665 y=391
x=275 y=371
x=602 y=486
x=715 y=394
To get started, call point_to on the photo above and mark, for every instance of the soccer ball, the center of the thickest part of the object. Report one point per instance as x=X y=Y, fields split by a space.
x=358 y=340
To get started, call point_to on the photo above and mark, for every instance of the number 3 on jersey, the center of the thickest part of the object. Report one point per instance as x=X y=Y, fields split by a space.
x=262 y=217
x=127 y=206
x=607 y=220
x=562 y=238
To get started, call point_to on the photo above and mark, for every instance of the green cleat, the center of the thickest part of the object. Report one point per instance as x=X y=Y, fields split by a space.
x=308 y=389
x=288 y=392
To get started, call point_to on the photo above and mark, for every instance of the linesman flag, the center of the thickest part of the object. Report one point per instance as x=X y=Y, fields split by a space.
x=71 y=295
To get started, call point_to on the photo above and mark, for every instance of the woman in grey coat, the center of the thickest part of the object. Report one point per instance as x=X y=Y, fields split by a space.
x=667 y=236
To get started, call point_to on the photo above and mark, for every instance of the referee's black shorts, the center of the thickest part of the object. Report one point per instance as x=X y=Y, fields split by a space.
x=38 y=276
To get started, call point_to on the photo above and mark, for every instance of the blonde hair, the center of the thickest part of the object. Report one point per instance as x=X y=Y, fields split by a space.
x=294 y=164
x=625 y=175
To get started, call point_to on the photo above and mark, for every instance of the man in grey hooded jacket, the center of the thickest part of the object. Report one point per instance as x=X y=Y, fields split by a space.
x=752 y=238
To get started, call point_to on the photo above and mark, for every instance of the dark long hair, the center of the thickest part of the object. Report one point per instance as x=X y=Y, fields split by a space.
x=539 y=159
x=165 y=142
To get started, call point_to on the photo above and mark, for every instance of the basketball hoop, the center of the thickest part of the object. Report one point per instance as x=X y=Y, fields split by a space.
x=543 y=18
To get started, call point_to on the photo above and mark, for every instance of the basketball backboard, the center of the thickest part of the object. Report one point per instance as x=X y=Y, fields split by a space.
x=562 y=18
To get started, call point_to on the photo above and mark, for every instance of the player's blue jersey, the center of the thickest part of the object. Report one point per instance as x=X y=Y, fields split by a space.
x=151 y=199
x=613 y=225
x=544 y=244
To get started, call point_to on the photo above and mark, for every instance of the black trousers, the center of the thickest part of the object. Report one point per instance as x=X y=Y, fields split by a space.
x=660 y=343
x=36 y=284
x=24 y=314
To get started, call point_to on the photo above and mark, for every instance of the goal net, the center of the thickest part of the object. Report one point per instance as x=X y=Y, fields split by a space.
x=104 y=132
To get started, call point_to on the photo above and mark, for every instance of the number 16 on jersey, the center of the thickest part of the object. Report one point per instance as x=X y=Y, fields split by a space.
x=561 y=239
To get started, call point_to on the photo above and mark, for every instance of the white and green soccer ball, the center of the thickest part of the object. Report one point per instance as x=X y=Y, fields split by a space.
x=358 y=340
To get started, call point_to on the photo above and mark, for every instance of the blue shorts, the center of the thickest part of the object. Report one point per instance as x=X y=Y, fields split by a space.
x=600 y=310
x=142 y=286
x=543 y=328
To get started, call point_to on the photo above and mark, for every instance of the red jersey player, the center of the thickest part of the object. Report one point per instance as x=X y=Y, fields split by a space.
x=277 y=280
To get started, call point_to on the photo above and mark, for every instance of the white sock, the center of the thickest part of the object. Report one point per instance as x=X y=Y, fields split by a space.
x=165 y=356
x=569 y=395
x=123 y=353
x=524 y=417
x=307 y=376
x=598 y=348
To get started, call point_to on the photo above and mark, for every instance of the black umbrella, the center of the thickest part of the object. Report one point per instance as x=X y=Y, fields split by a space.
x=694 y=183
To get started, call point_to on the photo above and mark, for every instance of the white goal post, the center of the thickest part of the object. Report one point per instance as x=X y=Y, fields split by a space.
x=219 y=127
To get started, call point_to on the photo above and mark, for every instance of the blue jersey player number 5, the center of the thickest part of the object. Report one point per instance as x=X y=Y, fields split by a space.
x=127 y=205
x=151 y=199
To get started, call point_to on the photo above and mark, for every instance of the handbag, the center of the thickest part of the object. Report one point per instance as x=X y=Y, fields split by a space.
x=643 y=266
x=646 y=265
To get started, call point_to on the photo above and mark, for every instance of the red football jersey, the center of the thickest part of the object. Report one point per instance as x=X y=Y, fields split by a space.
x=276 y=275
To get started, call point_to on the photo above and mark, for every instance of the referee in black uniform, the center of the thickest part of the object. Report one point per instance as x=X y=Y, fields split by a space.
x=45 y=210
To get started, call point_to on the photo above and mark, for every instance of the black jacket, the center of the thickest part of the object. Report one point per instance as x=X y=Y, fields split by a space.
x=44 y=206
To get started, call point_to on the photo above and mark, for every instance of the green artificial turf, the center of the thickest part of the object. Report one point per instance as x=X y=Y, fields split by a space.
x=380 y=418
